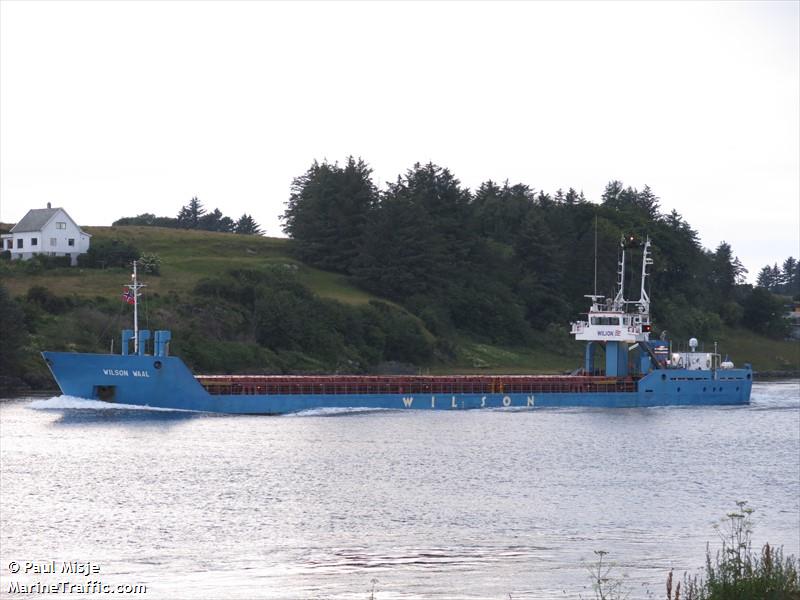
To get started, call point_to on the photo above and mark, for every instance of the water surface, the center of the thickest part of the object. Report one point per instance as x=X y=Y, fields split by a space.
x=473 y=504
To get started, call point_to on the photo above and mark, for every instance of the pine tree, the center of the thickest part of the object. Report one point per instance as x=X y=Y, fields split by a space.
x=764 y=279
x=572 y=196
x=791 y=276
x=327 y=213
x=246 y=225
x=189 y=215
x=542 y=273
x=648 y=202
x=498 y=212
x=396 y=261
x=777 y=278
x=723 y=272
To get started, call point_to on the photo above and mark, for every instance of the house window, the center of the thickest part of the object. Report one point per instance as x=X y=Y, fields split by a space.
x=52 y=241
x=19 y=243
x=71 y=242
x=34 y=241
x=61 y=225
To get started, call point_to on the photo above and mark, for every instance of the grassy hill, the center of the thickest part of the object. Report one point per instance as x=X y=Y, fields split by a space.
x=189 y=256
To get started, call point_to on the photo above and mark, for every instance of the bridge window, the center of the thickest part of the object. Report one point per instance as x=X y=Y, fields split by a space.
x=605 y=320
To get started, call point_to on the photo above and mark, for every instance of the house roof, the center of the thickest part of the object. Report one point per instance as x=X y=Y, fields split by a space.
x=37 y=218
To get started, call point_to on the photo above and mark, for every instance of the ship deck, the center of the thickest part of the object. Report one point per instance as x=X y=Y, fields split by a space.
x=403 y=384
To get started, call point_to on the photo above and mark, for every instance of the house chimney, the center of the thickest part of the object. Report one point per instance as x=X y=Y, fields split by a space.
x=48 y=205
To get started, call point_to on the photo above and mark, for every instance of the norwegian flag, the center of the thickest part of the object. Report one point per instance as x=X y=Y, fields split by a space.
x=128 y=297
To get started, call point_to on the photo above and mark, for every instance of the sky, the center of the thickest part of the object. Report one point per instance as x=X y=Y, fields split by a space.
x=113 y=109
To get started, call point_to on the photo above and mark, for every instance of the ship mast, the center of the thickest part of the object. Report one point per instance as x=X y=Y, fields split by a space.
x=644 y=298
x=619 y=299
x=595 y=256
x=134 y=288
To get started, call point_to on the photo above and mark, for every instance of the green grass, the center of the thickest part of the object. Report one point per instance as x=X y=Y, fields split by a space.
x=186 y=258
x=763 y=353
x=475 y=357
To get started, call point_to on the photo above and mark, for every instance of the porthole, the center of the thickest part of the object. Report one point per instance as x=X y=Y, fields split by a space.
x=157 y=364
x=679 y=389
x=704 y=389
x=748 y=375
x=663 y=377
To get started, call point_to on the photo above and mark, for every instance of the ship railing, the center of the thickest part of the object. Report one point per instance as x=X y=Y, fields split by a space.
x=402 y=385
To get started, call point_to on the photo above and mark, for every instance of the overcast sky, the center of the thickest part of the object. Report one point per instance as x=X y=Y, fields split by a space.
x=112 y=109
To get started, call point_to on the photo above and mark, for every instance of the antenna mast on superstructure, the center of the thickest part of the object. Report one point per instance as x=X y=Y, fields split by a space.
x=619 y=299
x=644 y=297
x=595 y=255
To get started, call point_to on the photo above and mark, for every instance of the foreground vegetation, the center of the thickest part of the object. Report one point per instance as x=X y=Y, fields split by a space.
x=735 y=572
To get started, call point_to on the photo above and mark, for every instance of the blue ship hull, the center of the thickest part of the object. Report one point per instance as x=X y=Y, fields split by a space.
x=166 y=382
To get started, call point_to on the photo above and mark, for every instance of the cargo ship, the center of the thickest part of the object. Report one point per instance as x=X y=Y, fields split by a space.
x=633 y=371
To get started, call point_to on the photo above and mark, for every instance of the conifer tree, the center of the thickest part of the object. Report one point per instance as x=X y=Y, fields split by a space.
x=246 y=225
x=791 y=276
x=327 y=212
x=764 y=278
x=189 y=215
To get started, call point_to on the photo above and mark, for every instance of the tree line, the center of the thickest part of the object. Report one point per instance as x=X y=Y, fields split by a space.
x=194 y=216
x=781 y=280
x=505 y=260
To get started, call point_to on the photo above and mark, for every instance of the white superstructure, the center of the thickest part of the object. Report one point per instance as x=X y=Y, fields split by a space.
x=619 y=320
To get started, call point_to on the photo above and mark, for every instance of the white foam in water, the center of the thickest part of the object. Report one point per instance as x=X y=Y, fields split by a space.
x=510 y=408
x=333 y=411
x=62 y=402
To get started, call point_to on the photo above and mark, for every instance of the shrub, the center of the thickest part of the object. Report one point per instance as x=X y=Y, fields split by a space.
x=12 y=324
x=150 y=264
x=47 y=300
x=51 y=262
x=109 y=253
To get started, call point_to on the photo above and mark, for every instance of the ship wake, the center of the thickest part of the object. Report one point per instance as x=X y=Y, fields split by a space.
x=337 y=411
x=74 y=402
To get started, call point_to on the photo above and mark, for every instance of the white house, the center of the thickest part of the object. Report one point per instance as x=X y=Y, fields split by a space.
x=49 y=231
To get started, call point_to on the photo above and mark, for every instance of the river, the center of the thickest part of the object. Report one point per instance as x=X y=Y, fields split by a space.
x=395 y=504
